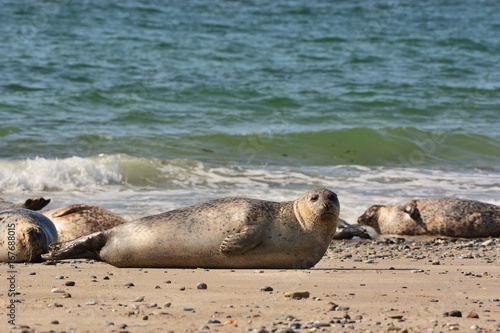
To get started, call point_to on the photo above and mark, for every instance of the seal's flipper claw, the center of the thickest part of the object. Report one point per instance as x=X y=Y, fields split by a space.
x=242 y=241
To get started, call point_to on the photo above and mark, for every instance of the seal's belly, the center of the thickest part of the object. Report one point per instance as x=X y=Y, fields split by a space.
x=201 y=249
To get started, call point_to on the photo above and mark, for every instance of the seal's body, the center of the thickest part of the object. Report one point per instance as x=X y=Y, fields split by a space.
x=24 y=235
x=222 y=233
x=446 y=217
x=78 y=220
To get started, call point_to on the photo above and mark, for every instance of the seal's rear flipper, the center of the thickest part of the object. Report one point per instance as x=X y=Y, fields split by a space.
x=35 y=203
x=83 y=247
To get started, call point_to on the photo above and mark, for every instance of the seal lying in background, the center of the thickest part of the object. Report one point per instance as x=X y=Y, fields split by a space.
x=446 y=217
x=31 y=203
x=24 y=235
x=78 y=220
x=222 y=233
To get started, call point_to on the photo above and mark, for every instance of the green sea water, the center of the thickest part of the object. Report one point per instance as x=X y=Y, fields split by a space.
x=141 y=106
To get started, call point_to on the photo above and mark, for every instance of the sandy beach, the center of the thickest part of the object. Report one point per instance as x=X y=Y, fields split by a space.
x=385 y=284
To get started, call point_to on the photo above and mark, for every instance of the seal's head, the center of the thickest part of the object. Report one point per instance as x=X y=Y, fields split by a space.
x=318 y=208
x=370 y=217
x=28 y=235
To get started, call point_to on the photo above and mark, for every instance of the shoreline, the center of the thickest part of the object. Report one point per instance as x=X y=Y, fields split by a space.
x=386 y=284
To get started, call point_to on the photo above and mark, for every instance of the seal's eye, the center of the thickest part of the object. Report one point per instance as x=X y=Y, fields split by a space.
x=315 y=198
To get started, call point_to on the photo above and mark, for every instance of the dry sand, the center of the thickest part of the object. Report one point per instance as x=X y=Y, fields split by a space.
x=379 y=285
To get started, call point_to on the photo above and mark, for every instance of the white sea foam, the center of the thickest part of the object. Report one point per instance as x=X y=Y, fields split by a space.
x=70 y=174
x=136 y=187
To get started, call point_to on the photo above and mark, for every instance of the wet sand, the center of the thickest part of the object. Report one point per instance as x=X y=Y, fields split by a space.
x=380 y=285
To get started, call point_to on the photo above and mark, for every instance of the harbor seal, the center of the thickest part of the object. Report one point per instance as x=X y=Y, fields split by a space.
x=445 y=217
x=222 y=233
x=24 y=235
x=31 y=203
x=78 y=220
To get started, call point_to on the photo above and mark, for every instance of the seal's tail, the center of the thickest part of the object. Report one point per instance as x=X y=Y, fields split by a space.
x=87 y=247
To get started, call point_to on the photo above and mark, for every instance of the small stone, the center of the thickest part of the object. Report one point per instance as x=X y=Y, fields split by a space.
x=109 y=323
x=318 y=324
x=188 y=309
x=60 y=277
x=57 y=305
x=472 y=314
x=266 y=288
x=57 y=290
x=90 y=303
x=32 y=273
x=55 y=322
x=66 y=295
x=204 y=328
x=213 y=321
x=201 y=286
x=106 y=278
x=69 y=283
x=145 y=318
x=139 y=299
x=296 y=294
x=167 y=305
x=333 y=307
x=454 y=313
x=128 y=285
x=182 y=288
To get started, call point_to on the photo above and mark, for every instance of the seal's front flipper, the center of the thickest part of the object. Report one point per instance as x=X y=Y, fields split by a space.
x=243 y=241
x=83 y=247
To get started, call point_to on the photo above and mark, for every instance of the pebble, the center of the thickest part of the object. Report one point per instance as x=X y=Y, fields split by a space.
x=167 y=305
x=204 y=328
x=266 y=288
x=139 y=299
x=55 y=322
x=32 y=273
x=109 y=323
x=201 y=286
x=318 y=324
x=69 y=283
x=57 y=290
x=296 y=294
x=188 y=309
x=472 y=314
x=90 y=303
x=59 y=277
x=128 y=285
x=213 y=321
x=453 y=313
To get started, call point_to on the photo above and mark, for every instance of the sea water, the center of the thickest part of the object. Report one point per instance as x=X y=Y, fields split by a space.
x=145 y=106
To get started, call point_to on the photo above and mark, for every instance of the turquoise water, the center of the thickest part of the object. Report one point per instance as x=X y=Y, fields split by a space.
x=143 y=106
